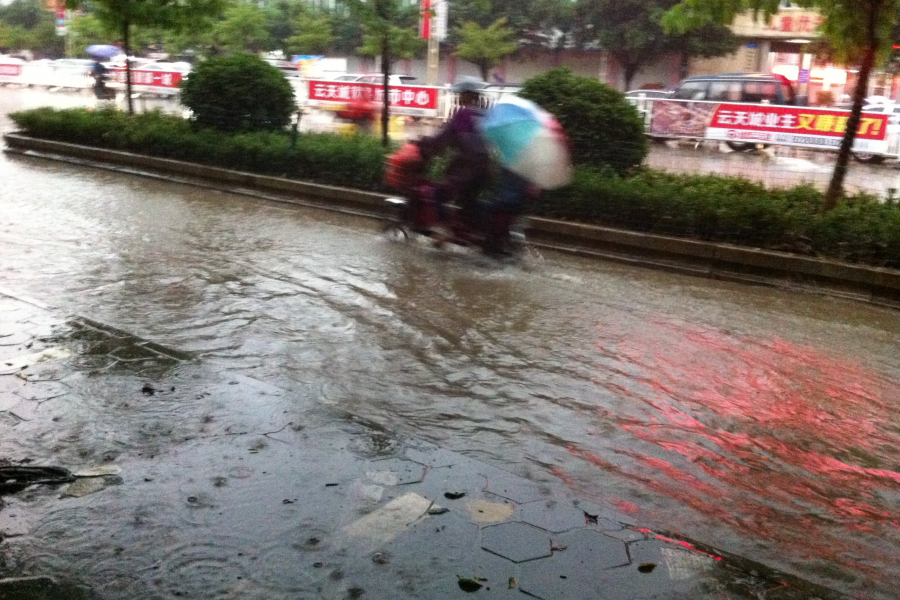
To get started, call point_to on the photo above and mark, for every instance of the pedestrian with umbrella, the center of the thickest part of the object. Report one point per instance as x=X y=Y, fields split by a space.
x=533 y=153
x=99 y=71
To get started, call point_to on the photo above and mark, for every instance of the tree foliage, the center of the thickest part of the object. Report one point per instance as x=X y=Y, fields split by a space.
x=87 y=30
x=243 y=29
x=858 y=31
x=536 y=24
x=604 y=129
x=486 y=46
x=25 y=25
x=238 y=93
x=313 y=34
x=170 y=15
x=632 y=32
x=390 y=33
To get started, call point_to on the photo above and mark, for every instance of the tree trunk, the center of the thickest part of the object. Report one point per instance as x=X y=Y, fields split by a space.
x=836 y=187
x=386 y=71
x=630 y=71
x=126 y=45
x=485 y=70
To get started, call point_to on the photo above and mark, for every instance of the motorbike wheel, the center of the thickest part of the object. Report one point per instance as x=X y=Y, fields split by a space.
x=396 y=231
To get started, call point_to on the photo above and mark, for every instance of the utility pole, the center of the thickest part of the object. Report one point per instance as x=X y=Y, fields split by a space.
x=434 y=44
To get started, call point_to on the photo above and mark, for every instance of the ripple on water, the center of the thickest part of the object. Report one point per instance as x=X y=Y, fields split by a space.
x=215 y=568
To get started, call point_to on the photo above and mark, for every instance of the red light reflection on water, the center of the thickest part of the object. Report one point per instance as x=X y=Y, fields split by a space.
x=779 y=441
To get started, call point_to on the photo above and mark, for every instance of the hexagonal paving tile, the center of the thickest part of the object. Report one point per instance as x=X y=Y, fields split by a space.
x=396 y=471
x=513 y=488
x=516 y=541
x=442 y=480
x=584 y=569
x=558 y=517
x=598 y=549
x=42 y=391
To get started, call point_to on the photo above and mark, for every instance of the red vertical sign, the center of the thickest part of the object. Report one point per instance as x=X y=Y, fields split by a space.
x=426 y=20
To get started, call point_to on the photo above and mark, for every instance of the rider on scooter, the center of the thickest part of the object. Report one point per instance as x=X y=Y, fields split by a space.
x=469 y=170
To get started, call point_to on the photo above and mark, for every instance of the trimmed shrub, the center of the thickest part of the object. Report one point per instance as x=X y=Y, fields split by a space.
x=604 y=129
x=238 y=93
x=356 y=161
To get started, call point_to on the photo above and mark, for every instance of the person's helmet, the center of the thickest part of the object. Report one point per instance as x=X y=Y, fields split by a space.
x=468 y=85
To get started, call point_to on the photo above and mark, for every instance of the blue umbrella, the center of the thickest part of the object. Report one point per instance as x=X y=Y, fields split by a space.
x=529 y=142
x=103 y=50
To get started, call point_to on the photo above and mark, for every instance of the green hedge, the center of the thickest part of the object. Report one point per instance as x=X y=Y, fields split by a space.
x=355 y=161
x=862 y=229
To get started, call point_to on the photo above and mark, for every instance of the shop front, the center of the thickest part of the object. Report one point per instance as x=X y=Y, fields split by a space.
x=789 y=44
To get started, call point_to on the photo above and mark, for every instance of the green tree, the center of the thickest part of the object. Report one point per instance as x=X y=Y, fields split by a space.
x=389 y=28
x=485 y=47
x=87 y=30
x=24 y=13
x=313 y=34
x=536 y=24
x=242 y=30
x=171 y=15
x=632 y=32
x=859 y=31
x=29 y=27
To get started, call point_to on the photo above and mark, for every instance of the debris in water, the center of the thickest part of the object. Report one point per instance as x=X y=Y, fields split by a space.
x=454 y=495
x=513 y=584
x=85 y=486
x=438 y=510
x=148 y=390
x=469 y=585
x=647 y=567
x=15 y=479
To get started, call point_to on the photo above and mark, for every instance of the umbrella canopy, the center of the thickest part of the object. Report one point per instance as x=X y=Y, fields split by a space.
x=103 y=50
x=529 y=141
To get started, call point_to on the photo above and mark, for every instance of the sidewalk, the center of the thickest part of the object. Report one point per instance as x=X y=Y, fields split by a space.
x=196 y=483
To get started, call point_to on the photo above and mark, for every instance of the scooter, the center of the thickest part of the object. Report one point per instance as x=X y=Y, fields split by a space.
x=416 y=213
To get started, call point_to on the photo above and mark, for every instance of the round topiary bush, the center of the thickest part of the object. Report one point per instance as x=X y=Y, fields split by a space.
x=603 y=128
x=238 y=93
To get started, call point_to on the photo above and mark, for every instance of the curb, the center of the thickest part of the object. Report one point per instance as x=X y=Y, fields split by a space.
x=725 y=262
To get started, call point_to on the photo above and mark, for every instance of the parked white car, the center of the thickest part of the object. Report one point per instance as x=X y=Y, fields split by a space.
x=375 y=78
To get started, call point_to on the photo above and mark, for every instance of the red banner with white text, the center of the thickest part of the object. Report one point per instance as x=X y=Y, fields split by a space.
x=10 y=70
x=168 y=80
x=417 y=101
x=767 y=124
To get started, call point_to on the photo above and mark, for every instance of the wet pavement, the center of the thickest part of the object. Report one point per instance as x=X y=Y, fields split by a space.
x=222 y=486
x=760 y=422
x=774 y=167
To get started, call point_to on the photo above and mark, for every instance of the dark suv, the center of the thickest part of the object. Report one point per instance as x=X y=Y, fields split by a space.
x=754 y=88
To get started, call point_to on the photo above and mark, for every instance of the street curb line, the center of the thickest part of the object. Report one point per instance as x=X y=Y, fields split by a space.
x=879 y=286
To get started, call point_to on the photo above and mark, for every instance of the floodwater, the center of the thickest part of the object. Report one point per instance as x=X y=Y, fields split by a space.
x=774 y=167
x=761 y=422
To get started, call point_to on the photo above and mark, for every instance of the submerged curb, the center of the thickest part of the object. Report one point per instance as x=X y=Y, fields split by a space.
x=718 y=261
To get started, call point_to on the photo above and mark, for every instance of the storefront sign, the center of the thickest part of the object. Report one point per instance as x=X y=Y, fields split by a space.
x=406 y=100
x=766 y=124
x=783 y=24
x=141 y=77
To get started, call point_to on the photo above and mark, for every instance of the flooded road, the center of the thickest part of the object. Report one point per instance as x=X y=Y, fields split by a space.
x=760 y=422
